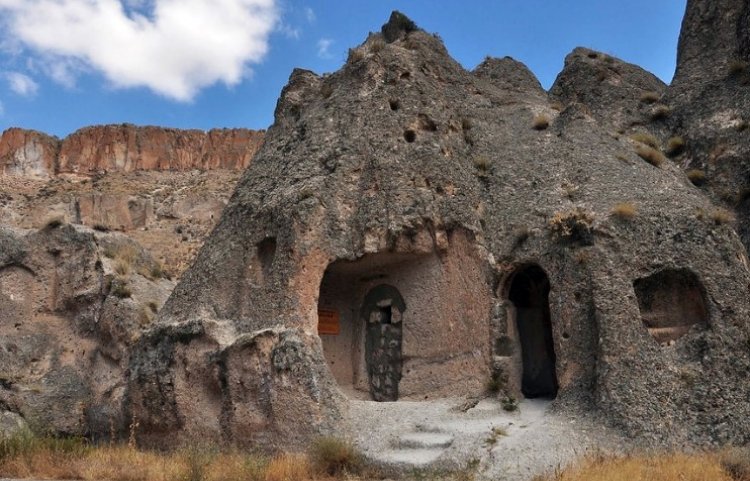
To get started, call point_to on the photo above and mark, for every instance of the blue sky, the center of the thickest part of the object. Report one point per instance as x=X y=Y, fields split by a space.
x=222 y=63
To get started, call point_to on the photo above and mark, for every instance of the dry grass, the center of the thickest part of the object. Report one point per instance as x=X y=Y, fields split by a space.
x=624 y=210
x=651 y=155
x=646 y=139
x=27 y=456
x=660 y=112
x=540 y=122
x=675 y=146
x=696 y=176
x=650 y=97
x=53 y=221
x=667 y=467
x=575 y=225
x=482 y=163
x=721 y=216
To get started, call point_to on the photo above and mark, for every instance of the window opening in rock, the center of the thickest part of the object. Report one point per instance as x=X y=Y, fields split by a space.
x=671 y=302
x=529 y=293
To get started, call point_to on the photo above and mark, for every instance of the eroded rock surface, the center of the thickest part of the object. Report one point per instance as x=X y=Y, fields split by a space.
x=73 y=303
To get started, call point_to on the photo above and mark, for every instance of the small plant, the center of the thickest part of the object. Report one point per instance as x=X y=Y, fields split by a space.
x=482 y=163
x=377 y=44
x=509 y=404
x=721 y=216
x=660 y=112
x=624 y=210
x=540 y=122
x=742 y=126
x=675 y=146
x=574 y=226
x=650 y=155
x=696 y=176
x=646 y=139
x=101 y=228
x=333 y=456
x=122 y=267
x=650 y=97
x=355 y=55
x=120 y=289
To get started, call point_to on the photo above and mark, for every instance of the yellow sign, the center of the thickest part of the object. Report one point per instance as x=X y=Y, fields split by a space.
x=328 y=321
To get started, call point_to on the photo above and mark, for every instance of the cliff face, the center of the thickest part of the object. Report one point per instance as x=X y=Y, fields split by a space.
x=126 y=148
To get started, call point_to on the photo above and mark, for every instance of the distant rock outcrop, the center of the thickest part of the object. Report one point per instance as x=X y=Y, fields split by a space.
x=126 y=148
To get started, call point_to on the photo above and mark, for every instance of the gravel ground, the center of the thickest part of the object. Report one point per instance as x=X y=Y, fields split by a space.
x=500 y=445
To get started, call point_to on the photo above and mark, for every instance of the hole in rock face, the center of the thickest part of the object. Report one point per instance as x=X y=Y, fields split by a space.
x=529 y=293
x=266 y=254
x=671 y=302
x=410 y=136
x=394 y=104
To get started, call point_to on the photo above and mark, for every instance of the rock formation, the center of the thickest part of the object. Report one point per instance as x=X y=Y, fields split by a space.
x=126 y=148
x=411 y=230
x=73 y=303
x=480 y=228
x=164 y=187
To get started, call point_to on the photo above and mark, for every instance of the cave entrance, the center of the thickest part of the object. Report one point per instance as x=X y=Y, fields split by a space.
x=529 y=293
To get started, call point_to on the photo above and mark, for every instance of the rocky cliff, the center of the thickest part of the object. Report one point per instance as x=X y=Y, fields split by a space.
x=126 y=148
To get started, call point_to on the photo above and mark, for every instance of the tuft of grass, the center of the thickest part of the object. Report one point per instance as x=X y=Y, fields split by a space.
x=721 y=216
x=696 y=176
x=120 y=289
x=650 y=97
x=540 y=122
x=288 y=467
x=675 y=146
x=650 y=155
x=122 y=267
x=333 y=456
x=660 y=112
x=575 y=225
x=377 y=44
x=646 y=139
x=355 y=55
x=624 y=210
x=482 y=163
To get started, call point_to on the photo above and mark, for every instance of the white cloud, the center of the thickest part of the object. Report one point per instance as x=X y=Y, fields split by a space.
x=21 y=84
x=173 y=47
x=310 y=14
x=289 y=31
x=324 y=48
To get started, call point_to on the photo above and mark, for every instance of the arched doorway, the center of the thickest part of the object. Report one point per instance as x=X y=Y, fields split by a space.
x=529 y=293
x=382 y=312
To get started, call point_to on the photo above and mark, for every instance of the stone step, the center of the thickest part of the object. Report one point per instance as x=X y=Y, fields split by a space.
x=409 y=458
x=425 y=440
